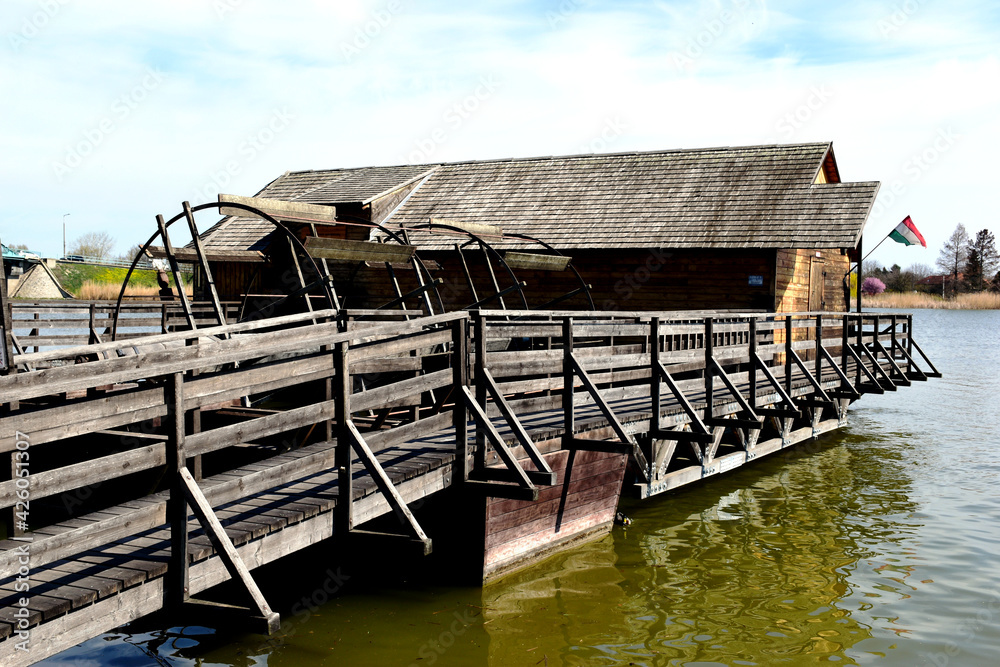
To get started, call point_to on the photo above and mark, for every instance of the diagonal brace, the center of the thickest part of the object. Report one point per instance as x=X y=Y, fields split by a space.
x=522 y=435
x=921 y=375
x=840 y=373
x=744 y=405
x=385 y=485
x=224 y=546
x=612 y=418
x=483 y=421
x=864 y=369
x=876 y=366
x=698 y=427
x=809 y=376
x=766 y=370
x=894 y=367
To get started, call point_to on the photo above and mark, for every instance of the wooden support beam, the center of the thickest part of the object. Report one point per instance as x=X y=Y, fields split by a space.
x=545 y=472
x=225 y=549
x=889 y=385
x=759 y=364
x=386 y=486
x=220 y=316
x=280 y=209
x=935 y=373
x=901 y=377
x=565 y=297
x=493 y=436
x=742 y=402
x=809 y=376
x=499 y=295
x=913 y=372
x=358 y=251
x=176 y=271
x=409 y=295
x=640 y=459
x=190 y=255
x=845 y=382
x=535 y=261
x=697 y=425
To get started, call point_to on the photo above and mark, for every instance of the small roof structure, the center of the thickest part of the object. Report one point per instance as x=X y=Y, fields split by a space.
x=775 y=196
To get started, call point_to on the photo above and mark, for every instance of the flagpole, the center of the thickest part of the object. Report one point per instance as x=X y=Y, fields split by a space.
x=877 y=245
x=868 y=255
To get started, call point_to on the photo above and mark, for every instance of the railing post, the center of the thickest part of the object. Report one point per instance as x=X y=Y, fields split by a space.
x=752 y=367
x=844 y=341
x=709 y=377
x=892 y=345
x=178 y=591
x=344 y=456
x=460 y=379
x=569 y=378
x=654 y=376
x=93 y=328
x=859 y=336
x=909 y=343
x=819 y=348
x=482 y=392
x=875 y=339
x=788 y=353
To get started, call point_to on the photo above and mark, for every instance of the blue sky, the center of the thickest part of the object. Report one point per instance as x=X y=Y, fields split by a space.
x=118 y=111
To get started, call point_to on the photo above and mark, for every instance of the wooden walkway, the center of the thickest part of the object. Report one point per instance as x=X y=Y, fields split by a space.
x=253 y=428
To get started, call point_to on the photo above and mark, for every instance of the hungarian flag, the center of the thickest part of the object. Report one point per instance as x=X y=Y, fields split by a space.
x=906 y=233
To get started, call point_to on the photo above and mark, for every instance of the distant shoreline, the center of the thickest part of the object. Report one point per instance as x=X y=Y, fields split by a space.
x=911 y=300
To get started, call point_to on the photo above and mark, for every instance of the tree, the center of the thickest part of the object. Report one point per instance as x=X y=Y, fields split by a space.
x=954 y=254
x=872 y=286
x=93 y=244
x=981 y=260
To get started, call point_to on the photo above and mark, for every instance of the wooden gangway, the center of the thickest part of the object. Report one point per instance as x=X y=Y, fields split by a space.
x=145 y=471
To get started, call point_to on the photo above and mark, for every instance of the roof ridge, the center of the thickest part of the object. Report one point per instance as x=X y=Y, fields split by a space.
x=714 y=149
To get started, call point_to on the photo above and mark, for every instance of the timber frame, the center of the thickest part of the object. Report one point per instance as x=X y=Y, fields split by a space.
x=378 y=412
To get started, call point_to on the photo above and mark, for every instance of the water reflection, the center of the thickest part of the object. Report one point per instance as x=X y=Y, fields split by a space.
x=876 y=544
x=780 y=562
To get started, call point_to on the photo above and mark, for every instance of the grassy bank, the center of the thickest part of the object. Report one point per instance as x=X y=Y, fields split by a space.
x=103 y=282
x=910 y=300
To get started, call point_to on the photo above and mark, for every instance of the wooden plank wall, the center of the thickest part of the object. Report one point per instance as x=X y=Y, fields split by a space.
x=793 y=280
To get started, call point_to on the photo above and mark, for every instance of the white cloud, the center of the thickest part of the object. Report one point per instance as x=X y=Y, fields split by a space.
x=598 y=74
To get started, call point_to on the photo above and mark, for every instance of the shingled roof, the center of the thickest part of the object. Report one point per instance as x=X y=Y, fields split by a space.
x=759 y=196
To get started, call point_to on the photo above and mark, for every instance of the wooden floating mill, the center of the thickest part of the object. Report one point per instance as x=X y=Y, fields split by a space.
x=526 y=339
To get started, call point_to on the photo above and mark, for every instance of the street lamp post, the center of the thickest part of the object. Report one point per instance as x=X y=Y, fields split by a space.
x=64 y=234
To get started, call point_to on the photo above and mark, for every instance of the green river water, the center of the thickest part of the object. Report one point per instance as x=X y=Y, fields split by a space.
x=877 y=544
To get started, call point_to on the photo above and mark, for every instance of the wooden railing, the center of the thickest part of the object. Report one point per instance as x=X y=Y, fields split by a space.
x=58 y=324
x=354 y=386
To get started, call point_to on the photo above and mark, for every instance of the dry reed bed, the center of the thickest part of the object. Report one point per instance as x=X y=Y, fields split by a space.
x=92 y=291
x=910 y=300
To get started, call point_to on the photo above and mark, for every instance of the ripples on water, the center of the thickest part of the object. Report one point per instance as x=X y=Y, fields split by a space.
x=875 y=545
